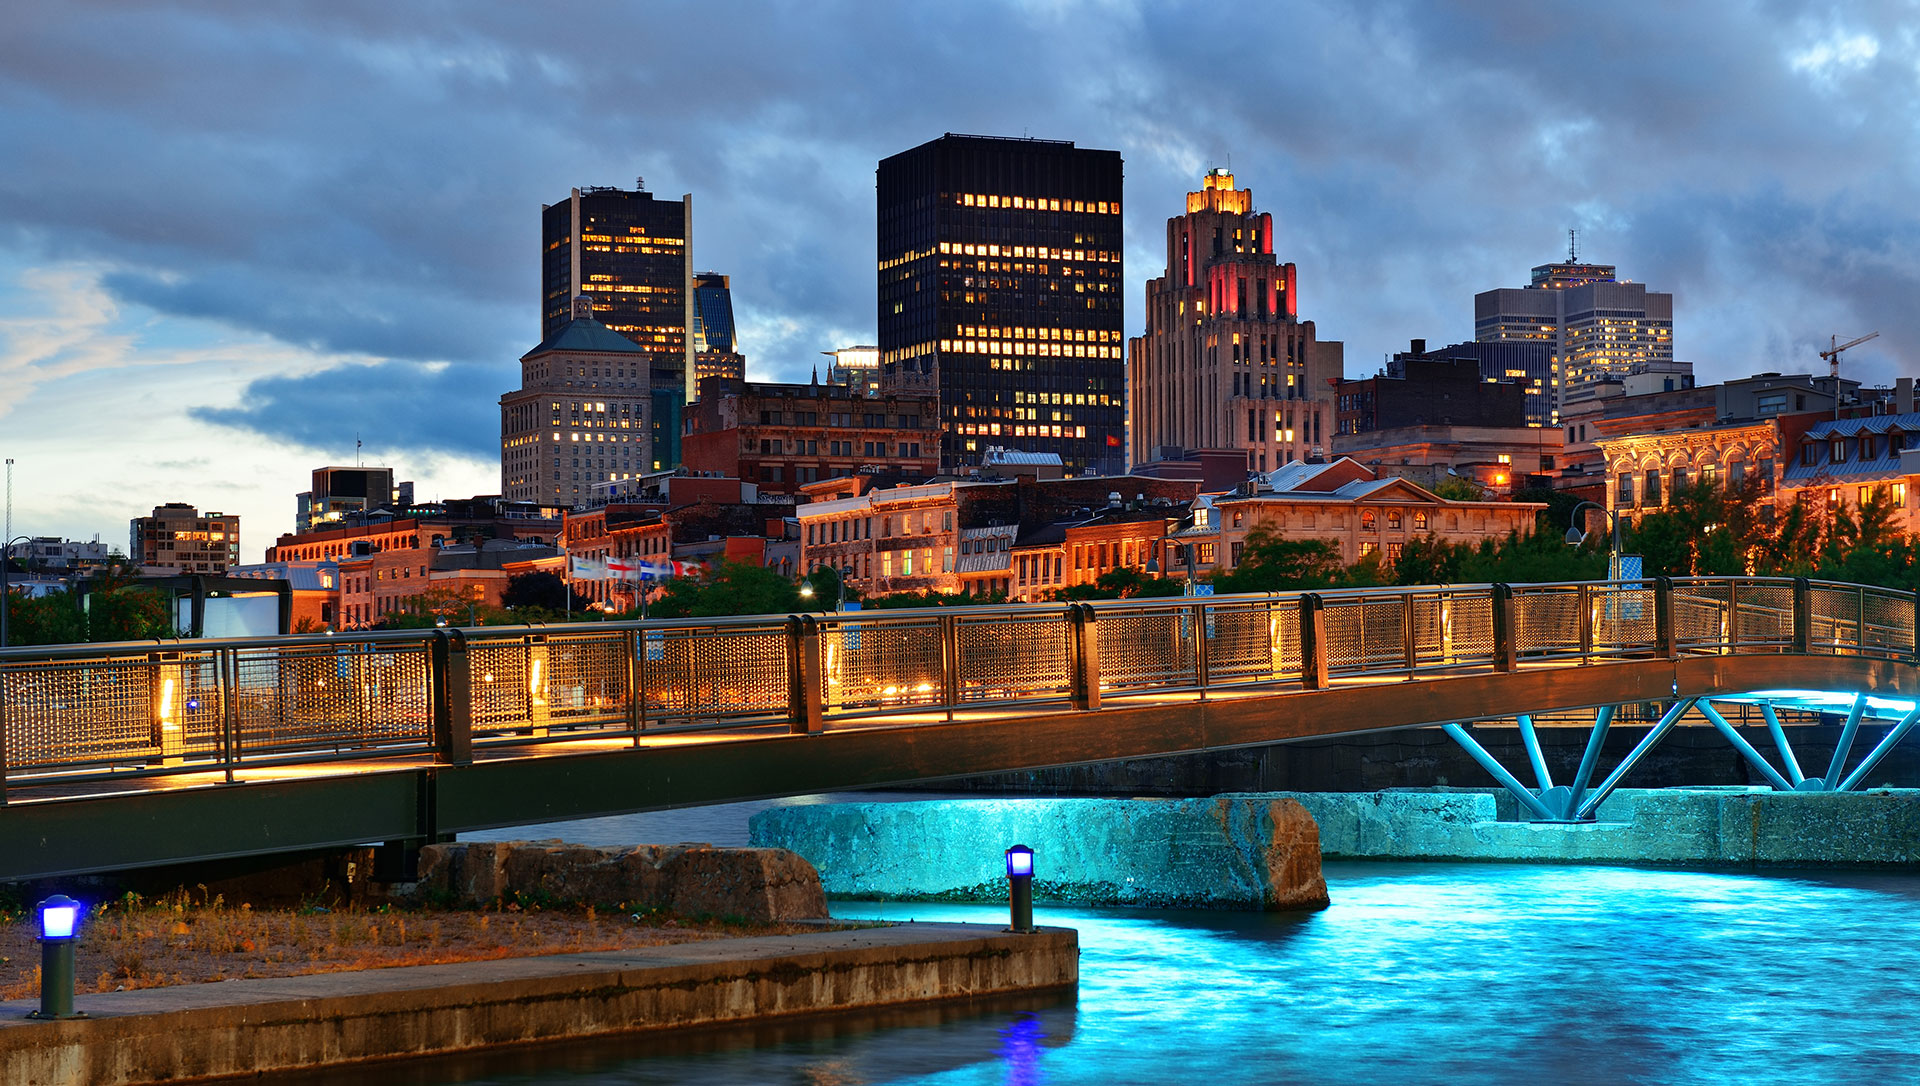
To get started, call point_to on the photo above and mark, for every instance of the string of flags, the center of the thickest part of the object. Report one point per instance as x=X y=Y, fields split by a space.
x=626 y=569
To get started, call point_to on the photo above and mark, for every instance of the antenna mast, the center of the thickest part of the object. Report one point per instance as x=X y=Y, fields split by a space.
x=1573 y=247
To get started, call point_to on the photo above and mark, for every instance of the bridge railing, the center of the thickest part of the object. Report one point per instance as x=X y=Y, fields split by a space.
x=188 y=706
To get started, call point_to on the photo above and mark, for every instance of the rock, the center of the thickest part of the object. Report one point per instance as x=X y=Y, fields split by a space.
x=1248 y=852
x=763 y=885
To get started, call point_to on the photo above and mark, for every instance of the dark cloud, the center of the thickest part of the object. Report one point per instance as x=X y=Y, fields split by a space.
x=396 y=405
x=366 y=179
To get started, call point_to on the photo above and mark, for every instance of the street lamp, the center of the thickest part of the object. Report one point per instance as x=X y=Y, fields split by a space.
x=1020 y=888
x=6 y=567
x=1577 y=535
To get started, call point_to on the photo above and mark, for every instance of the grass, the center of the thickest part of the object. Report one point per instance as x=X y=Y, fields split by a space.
x=187 y=937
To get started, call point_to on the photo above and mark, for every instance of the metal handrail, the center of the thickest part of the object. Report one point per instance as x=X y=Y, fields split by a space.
x=151 y=707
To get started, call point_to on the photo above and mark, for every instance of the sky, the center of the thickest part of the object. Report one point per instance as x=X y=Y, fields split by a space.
x=241 y=240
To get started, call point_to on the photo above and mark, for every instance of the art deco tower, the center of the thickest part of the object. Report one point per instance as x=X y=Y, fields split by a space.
x=1225 y=361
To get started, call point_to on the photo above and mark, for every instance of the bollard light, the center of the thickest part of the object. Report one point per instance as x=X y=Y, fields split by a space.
x=1020 y=887
x=59 y=921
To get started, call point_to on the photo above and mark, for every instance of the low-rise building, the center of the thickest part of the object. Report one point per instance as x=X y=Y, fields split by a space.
x=178 y=539
x=784 y=436
x=1501 y=459
x=1345 y=503
x=1845 y=463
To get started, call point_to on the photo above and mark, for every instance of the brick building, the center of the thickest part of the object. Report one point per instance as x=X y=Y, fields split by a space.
x=781 y=437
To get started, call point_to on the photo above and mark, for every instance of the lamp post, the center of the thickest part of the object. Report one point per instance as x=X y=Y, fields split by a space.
x=1577 y=535
x=6 y=591
x=59 y=921
x=1020 y=888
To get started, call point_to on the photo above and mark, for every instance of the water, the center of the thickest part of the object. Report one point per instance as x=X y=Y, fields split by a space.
x=1418 y=973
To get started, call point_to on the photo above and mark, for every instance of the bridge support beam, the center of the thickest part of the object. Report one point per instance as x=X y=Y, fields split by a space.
x=1894 y=735
x=1602 y=720
x=1739 y=742
x=1507 y=780
x=1845 y=746
x=1647 y=742
x=1780 y=744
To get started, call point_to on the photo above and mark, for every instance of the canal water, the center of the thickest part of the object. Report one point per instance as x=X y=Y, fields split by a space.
x=1445 y=973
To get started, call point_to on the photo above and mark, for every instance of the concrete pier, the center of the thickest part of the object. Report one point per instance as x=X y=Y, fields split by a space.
x=1235 y=852
x=250 y=1027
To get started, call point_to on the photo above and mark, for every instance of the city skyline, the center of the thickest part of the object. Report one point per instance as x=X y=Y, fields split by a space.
x=230 y=254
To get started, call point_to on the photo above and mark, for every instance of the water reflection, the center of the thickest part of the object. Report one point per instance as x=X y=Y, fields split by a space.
x=1417 y=973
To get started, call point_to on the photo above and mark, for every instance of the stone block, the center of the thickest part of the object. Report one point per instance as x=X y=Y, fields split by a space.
x=756 y=884
x=1235 y=851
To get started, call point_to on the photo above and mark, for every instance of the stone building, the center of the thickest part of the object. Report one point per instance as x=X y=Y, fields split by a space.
x=1225 y=360
x=582 y=419
x=1345 y=503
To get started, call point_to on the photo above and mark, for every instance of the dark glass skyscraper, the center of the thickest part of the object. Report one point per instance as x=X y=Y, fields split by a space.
x=1000 y=275
x=628 y=252
x=713 y=312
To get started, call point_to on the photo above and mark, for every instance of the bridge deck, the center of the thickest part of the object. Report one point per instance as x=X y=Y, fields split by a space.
x=123 y=756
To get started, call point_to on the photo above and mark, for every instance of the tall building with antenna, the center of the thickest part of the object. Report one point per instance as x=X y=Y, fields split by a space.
x=1599 y=326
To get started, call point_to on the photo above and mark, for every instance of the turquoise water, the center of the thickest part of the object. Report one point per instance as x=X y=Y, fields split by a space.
x=1417 y=973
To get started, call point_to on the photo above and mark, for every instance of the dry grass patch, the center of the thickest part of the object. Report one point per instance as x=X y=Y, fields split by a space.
x=186 y=938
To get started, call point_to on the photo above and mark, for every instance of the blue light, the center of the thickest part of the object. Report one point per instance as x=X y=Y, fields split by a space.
x=59 y=915
x=1019 y=862
x=193 y=703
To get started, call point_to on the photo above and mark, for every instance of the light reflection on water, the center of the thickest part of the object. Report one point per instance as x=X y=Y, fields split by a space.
x=1417 y=973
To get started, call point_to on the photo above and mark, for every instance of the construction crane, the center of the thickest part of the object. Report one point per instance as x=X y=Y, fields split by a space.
x=1832 y=355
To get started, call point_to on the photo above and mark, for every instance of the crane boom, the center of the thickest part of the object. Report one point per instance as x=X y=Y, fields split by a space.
x=1832 y=355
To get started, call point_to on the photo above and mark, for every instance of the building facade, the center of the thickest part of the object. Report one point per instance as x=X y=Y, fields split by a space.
x=629 y=253
x=784 y=436
x=177 y=539
x=1847 y=463
x=716 y=353
x=1225 y=360
x=1000 y=272
x=1596 y=324
x=1444 y=392
x=1523 y=362
x=581 y=421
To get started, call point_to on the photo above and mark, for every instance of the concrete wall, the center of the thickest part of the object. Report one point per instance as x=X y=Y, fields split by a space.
x=1259 y=852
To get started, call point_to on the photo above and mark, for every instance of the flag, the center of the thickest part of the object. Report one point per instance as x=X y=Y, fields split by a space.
x=587 y=569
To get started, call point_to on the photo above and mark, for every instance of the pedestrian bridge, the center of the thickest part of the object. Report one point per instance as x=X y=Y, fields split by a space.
x=137 y=754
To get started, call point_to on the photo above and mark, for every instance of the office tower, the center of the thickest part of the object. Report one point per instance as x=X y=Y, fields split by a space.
x=1000 y=273
x=339 y=492
x=1598 y=326
x=628 y=252
x=177 y=539
x=714 y=350
x=1225 y=362
x=582 y=420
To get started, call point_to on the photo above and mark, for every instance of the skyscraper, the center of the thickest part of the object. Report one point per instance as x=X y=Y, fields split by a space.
x=628 y=252
x=1000 y=273
x=1598 y=326
x=1225 y=362
x=714 y=352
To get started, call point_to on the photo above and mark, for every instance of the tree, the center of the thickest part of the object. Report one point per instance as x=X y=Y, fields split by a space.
x=542 y=589
x=734 y=588
x=1538 y=558
x=1122 y=583
x=1270 y=562
x=44 y=620
x=1427 y=559
x=1459 y=488
x=129 y=614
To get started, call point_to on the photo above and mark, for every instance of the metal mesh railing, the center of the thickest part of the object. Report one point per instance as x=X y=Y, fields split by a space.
x=162 y=706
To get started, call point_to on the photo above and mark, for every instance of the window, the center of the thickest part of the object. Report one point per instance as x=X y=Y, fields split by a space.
x=1837 y=450
x=1766 y=474
x=1899 y=495
x=1807 y=454
x=1865 y=495
x=1770 y=404
x=1736 y=474
x=1419 y=522
x=1869 y=444
x=1393 y=519
x=1206 y=553
x=1653 y=486
x=1367 y=523
x=1709 y=474
x=1369 y=548
x=1393 y=551
x=1833 y=498
x=1679 y=481
x=1234 y=552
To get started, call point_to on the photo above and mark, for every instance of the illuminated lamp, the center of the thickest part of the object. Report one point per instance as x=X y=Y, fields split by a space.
x=59 y=920
x=1020 y=888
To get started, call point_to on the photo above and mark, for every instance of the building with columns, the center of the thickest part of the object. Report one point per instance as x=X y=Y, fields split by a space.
x=581 y=421
x=1225 y=360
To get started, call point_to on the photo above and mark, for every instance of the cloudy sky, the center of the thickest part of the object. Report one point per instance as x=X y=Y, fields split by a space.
x=235 y=235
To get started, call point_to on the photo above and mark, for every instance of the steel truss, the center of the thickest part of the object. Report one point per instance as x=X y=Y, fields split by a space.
x=1577 y=802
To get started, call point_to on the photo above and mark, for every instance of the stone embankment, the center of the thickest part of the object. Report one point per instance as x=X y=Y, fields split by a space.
x=1252 y=852
x=255 y=1027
